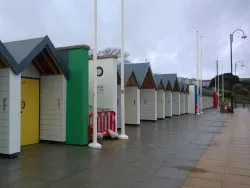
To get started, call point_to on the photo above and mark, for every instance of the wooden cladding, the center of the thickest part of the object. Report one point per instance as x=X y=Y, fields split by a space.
x=176 y=86
x=118 y=79
x=161 y=86
x=148 y=82
x=169 y=88
x=132 y=80
x=3 y=63
x=46 y=63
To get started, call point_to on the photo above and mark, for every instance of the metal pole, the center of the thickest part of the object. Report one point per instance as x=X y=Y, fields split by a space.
x=198 y=102
x=235 y=68
x=215 y=82
x=122 y=135
x=201 y=102
x=218 y=86
x=222 y=84
x=216 y=78
x=231 y=58
x=94 y=143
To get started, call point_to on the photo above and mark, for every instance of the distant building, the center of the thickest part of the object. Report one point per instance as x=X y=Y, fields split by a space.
x=205 y=83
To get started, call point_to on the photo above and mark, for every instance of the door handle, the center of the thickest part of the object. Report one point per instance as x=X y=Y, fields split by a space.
x=59 y=103
x=4 y=104
x=23 y=105
x=134 y=101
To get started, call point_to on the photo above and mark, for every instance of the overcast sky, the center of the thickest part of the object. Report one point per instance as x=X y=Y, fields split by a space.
x=162 y=31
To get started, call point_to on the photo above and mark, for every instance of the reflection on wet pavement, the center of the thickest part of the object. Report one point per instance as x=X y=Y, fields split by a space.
x=156 y=155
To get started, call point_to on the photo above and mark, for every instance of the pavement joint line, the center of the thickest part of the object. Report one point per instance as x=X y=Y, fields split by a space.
x=231 y=132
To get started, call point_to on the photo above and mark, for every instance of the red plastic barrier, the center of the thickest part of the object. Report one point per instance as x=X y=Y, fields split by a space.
x=105 y=121
x=215 y=100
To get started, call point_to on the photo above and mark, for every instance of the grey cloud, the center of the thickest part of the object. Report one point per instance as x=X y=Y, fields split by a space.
x=162 y=31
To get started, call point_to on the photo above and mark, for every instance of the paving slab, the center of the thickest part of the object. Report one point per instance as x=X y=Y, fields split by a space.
x=158 y=155
x=225 y=163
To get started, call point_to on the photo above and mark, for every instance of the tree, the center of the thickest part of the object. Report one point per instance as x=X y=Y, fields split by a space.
x=111 y=51
x=227 y=81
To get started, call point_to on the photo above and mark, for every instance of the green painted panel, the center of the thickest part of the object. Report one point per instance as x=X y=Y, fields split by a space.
x=77 y=97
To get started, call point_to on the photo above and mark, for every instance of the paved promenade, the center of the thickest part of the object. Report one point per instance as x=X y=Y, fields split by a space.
x=210 y=150
x=226 y=161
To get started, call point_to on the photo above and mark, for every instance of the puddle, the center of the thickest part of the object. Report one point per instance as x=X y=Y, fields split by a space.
x=191 y=169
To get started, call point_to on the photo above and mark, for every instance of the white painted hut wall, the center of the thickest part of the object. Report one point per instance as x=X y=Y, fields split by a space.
x=10 y=124
x=132 y=105
x=186 y=103
x=176 y=104
x=168 y=105
x=182 y=106
x=161 y=104
x=53 y=108
x=201 y=102
x=191 y=100
x=118 y=114
x=148 y=104
x=106 y=98
x=14 y=115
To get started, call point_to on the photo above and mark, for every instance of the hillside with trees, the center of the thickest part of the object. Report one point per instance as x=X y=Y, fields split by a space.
x=241 y=87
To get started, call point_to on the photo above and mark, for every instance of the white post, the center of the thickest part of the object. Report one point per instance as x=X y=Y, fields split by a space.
x=94 y=143
x=201 y=102
x=218 y=86
x=222 y=83
x=198 y=102
x=215 y=80
x=122 y=135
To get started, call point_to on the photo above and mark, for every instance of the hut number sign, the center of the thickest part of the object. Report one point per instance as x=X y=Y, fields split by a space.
x=100 y=88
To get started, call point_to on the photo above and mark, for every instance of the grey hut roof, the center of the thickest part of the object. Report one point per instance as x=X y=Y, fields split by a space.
x=140 y=70
x=158 y=79
x=20 y=54
x=168 y=78
x=127 y=72
x=183 y=84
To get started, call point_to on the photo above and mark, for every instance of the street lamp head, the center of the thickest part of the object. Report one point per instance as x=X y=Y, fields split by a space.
x=244 y=36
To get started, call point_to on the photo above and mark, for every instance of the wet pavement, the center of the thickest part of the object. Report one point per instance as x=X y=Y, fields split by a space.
x=226 y=161
x=157 y=155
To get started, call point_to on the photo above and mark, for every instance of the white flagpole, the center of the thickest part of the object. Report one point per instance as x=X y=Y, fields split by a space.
x=222 y=83
x=94 y=143
x=122 y=135
x=218 y=86
x=198 y=98
x=201 y=102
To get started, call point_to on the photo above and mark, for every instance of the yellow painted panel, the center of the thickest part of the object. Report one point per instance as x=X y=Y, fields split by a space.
x=29 y=111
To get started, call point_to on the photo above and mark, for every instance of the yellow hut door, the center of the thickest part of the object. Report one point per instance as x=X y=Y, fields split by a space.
x=29 y=111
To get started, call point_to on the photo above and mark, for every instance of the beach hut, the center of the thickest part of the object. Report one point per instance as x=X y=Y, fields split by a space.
x=33 y=85
x=132 y=97
x=176 y=99
x=182 y=97
x=186 y=98
x=191 y=98
x=106 y=83
x=160 y=96
x=148 y=90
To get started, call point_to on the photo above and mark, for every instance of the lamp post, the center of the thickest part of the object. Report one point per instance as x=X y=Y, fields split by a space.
x=242 y=65
x=218 y=89
x=231 y=54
